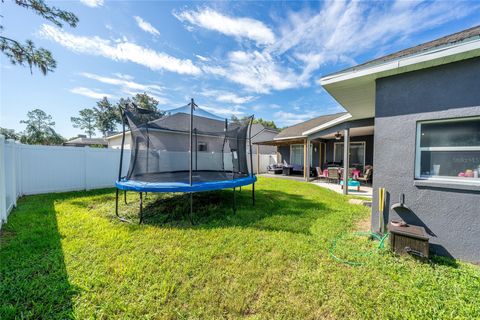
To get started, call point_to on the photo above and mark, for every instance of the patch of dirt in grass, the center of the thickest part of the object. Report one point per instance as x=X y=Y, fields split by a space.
x=363 y=224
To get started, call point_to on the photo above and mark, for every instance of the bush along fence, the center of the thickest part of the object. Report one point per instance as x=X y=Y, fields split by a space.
x=34 y=169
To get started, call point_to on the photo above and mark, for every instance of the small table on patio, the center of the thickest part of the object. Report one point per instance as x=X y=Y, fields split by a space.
x=287 y=170
x=352 y=183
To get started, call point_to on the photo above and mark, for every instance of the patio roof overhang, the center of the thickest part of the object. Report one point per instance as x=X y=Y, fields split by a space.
x=361 y=127
x=354 y=88
x=281 y=142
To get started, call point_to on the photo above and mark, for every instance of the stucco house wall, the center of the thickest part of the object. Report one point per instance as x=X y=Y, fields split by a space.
x=450 y=214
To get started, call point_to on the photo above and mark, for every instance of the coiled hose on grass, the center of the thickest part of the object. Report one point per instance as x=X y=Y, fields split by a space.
x=370 y=234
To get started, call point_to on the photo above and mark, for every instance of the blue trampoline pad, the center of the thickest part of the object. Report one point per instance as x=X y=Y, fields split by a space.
x=143 y=186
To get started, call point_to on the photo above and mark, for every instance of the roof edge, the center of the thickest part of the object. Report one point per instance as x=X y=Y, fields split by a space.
x=421 y=57
x=328 y=124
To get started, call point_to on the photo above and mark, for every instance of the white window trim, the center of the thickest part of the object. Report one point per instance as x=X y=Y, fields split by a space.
x=418 y=152
x=335 y=146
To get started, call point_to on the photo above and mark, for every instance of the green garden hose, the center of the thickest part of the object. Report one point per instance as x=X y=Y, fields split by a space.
x=376 y=236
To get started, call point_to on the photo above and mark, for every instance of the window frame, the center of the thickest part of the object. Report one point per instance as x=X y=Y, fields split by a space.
x=419 y=149
x=202 y=143
x=364 y=143
x=303 y=152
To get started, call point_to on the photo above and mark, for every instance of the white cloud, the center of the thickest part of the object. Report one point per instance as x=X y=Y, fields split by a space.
x=241 y=28
x=92 y=3
x=129 y=87
x=338 y=33
x=225 y=111
x=90 y=93
x=283 y=118
x=256 y=71
x=344 y=30
x=225 y=96
x=121 y=50
x=146 y=26
x=202 y=58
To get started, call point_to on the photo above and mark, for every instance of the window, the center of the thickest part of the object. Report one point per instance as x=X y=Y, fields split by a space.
x=357 y=154
x=202 y=147
x=296 y=154
x=448 y=150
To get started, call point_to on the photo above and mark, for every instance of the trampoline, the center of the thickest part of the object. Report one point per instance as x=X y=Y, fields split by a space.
x=184 y=150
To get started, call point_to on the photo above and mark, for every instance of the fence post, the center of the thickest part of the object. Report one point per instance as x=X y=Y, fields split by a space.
x=13 y=183
x=86 y=151
x=3 y=194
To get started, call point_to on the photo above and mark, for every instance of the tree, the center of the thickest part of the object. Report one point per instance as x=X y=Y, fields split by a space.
x=28 y=54
x=9 y=134
x=106 y=116
x=143 y=101
x=40 y=130
x=265 y=123
x=85 y=122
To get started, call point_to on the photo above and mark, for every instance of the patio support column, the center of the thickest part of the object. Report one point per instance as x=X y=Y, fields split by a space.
x=346 y=157
x=306 y=162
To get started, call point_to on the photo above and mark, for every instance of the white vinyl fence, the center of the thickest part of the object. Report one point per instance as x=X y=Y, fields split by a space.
x=33 y=169
x=265 y=160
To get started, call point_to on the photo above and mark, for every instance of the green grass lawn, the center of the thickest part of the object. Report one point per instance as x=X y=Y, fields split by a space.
x=66 y=256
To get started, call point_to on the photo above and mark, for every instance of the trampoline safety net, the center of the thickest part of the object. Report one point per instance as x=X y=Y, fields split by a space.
x=184 y=139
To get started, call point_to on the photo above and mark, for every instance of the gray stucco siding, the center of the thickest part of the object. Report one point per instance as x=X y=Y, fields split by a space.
x=450 y=215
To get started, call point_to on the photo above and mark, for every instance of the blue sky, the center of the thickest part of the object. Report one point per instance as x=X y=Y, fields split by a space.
x=262 y=58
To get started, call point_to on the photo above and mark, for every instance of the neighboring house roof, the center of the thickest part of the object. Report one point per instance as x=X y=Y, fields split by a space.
x=354 y=88
x=297 y=130
x=81 y=141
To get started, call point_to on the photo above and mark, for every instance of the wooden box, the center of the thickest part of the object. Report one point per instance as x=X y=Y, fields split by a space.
x=409 y=240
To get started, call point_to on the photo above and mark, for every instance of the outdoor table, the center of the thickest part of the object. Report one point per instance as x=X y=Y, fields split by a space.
x=352 y=183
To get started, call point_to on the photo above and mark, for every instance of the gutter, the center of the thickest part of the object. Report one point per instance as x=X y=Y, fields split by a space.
x=422 y=57
x=328 y=124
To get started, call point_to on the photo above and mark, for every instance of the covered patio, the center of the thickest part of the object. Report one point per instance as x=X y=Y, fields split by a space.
x=340 y=143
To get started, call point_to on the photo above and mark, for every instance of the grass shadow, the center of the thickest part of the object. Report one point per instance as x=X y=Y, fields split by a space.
x=273 y=210
x=34 y=281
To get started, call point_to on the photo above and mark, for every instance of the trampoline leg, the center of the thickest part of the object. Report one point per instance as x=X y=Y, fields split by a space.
x=253 y=194
x=116 y=204
x=190 y=217
x=234 y=202
x=125 y=196
x=141 y=208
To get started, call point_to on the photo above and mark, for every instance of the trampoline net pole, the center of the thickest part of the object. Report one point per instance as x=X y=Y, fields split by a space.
x=191 y=141
x=122 y=146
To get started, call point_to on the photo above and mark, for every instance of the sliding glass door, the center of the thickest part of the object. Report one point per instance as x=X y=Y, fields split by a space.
x=357 y=154
x=297 y=154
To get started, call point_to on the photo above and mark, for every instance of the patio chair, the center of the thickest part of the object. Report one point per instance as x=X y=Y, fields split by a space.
x=333 y=174
x=320 y=174
x=367 y=175
x=275 y=168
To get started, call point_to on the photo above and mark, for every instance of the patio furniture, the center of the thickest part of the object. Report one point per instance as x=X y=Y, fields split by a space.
x=321 y=174
x=351 y=183
x=333 y=174
x=275 y=168
x=367 y=175
x=287 y=170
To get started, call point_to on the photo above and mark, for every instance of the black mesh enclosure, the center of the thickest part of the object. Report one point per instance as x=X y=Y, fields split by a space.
x=187 y=146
